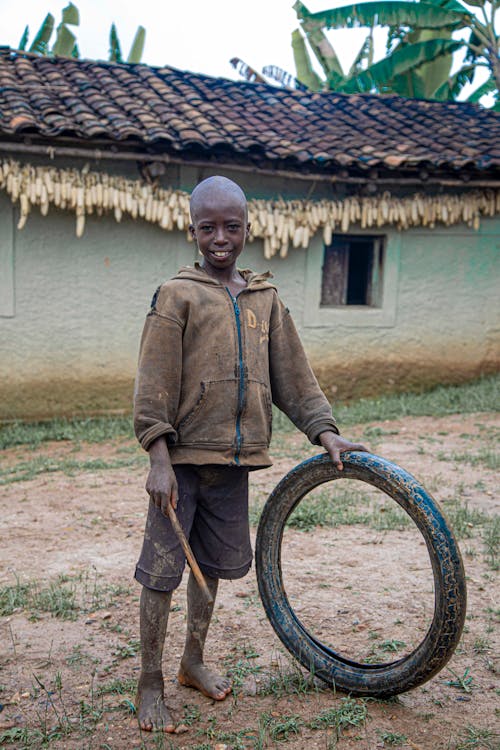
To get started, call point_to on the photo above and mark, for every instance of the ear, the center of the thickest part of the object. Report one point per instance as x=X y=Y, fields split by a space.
x=247 y=232
x=192 y=230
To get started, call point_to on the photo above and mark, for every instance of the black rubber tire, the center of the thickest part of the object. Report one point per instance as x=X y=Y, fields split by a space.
x=439 y=643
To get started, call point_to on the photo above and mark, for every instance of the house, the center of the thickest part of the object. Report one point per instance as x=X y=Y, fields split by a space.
x=378 y=216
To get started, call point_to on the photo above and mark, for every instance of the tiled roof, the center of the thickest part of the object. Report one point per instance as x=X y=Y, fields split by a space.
x=183 y=113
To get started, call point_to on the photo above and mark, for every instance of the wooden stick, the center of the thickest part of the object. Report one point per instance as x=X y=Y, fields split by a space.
x=189 y=553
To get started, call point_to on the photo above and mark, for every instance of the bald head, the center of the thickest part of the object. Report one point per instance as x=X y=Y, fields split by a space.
x=215 y=191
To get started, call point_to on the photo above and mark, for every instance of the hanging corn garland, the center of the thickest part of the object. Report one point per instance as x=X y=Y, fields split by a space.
x=281 y=224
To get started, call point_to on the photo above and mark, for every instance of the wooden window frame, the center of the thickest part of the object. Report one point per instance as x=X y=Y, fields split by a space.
x=382 y=315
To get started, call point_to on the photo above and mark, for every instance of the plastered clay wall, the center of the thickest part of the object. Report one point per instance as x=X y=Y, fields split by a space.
x=71 y=311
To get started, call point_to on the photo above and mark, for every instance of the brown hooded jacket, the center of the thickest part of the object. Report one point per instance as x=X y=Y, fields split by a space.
x=210 y=366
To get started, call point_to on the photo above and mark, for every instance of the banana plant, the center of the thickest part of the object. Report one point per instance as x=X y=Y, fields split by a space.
x=421 y=44
x=65 y=42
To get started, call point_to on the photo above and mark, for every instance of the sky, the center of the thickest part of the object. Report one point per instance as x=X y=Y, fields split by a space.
x=197 y=35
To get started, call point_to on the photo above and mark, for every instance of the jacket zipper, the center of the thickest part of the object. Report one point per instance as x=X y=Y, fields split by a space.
x=241 y=386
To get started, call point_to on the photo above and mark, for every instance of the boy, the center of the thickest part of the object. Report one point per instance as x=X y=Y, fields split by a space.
x=218 y=347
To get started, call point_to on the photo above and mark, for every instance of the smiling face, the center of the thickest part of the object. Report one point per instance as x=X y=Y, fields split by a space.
x=220 y=227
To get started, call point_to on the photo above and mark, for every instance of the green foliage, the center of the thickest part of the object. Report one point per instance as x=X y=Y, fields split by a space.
x=477 y=396
x=419 y=50
x=91 y=430
x=462 y=682
x=65 y=43
x=478 y=738
x=350 y=713
x=65 y=598
x=137 y=48
x=115 y=52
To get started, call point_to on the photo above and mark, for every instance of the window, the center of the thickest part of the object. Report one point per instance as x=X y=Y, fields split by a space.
x=352 y=271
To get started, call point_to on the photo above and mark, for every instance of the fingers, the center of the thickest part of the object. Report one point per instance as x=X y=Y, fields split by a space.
x=174 y=497
x=335 y=456
x=359 y=447
x=169 y=498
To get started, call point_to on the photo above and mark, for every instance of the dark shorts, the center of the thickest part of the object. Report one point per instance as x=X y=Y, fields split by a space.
x=213 y=512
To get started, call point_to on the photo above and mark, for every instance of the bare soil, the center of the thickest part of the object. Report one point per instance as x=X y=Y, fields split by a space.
x=365 y=588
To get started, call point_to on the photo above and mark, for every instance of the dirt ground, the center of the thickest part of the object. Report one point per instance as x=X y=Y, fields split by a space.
x=71 y=530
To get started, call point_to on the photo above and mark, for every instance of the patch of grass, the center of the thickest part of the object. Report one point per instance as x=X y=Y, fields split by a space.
x=289 y=680
x=66 y=597
x=479 y=395
x=391 y=646
x=464 y=682
x=350 y=713
x=464 y=520
x=14 y=597
x=127 y=650
x=325 y=508
x=126 y=686
x=26 y=470
x=345 y=507
x=491 y=542
x=393 y=739
x=280 y=728
x=89 y=430
x=488 y=458
x=476 y=737
x=25 y=738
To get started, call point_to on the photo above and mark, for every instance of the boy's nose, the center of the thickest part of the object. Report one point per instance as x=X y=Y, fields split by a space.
x=220 y=236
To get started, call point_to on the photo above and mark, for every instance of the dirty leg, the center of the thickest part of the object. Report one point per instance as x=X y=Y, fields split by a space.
x=152 y=714
x=193 y=672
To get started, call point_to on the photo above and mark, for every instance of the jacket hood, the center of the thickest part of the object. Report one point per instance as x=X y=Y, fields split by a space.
x=254 y=280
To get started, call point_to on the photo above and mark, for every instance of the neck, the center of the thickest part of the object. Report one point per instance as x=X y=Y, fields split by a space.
x=224 y=275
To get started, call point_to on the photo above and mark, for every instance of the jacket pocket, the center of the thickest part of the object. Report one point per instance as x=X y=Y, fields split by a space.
x=211 y=422
x=256 y=418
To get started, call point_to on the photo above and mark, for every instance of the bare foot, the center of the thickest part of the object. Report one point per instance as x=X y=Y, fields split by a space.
x=198 y=676
x=152 y=713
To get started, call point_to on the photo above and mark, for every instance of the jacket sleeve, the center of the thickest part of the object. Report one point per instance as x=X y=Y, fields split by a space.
x=295 y=389
x=157 y=384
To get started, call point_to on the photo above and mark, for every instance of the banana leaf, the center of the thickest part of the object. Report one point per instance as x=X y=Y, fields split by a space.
x=24 y=38
x=409 y=84
x=451 y=88
x=365 y=54
x=394 y=13
x=115 y=52
x=450 y=5
x=433 y=73
x=283 y=77
x=474 y=41
x=487 y=87
x=137 y=48
x=65 y=42
x=320 y=45
x=305 y=72
x=70 y=15
x=246 y=71
x=41 y=41
x=400 y=62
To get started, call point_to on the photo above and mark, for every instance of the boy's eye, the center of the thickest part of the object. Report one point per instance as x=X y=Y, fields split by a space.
x=206 y=228
x=234 y=227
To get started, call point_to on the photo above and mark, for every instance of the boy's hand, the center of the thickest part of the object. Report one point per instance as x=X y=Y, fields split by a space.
x=335 y=445
x=161 y=484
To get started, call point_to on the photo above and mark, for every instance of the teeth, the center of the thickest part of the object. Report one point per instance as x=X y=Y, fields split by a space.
x=221 y=254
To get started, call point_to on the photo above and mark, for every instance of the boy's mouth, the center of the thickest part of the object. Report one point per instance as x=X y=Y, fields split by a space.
x=221 y=253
